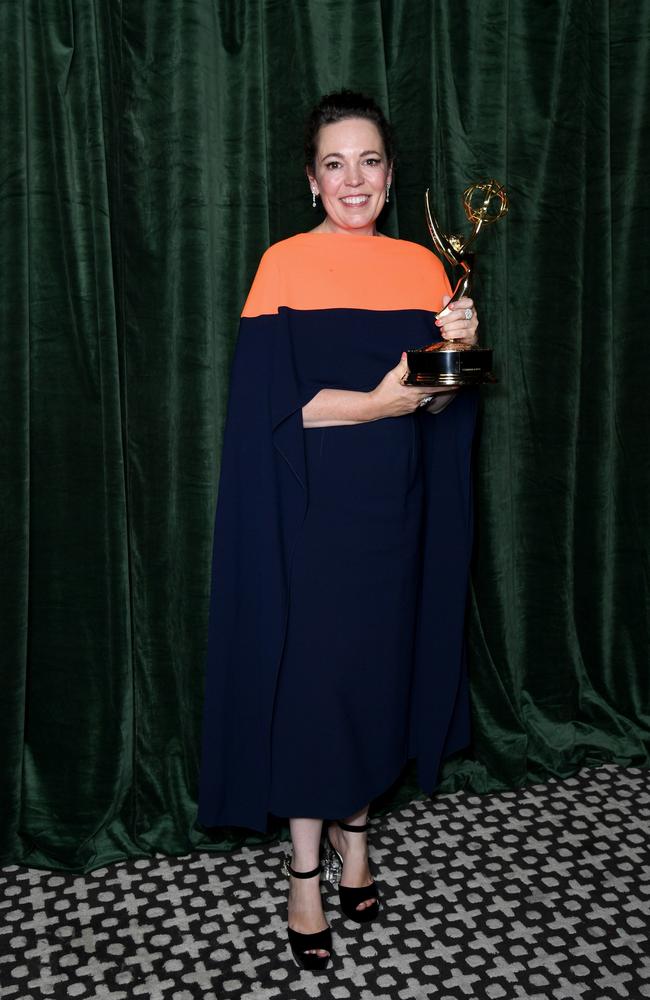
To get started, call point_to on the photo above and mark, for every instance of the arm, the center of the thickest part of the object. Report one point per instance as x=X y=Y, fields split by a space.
x=337 y=407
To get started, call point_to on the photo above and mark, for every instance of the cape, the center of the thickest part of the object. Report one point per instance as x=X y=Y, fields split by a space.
x=325 y=311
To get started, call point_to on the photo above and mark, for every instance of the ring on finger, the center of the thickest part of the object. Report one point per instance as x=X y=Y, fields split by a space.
x=425 y=400
x=468 y=313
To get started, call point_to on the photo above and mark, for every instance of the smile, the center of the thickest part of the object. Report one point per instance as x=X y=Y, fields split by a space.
x=356 y=199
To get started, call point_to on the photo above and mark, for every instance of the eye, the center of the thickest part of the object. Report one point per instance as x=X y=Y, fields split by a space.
x=373 y=161
x=332 y=165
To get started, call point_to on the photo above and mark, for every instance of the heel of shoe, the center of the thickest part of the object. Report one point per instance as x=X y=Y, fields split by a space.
x=332 y=864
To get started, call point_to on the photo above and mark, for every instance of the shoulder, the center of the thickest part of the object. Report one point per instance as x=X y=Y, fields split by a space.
x=276 y=264
x=413 y=264
x=416 y=254
x=282 y=252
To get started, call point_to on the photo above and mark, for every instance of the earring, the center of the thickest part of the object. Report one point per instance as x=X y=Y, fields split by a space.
x=313 y=198
x=387 y=193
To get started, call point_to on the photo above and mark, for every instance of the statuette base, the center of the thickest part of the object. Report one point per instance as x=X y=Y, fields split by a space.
x=450 y=365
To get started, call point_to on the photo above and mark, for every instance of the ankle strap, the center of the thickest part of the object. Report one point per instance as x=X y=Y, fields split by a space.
x=311 y=874
x=352 y=829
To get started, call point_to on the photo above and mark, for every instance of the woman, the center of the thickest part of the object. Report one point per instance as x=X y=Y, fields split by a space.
x=342 y=533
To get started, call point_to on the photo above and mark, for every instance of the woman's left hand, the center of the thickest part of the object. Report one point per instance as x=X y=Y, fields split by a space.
x=455 y=326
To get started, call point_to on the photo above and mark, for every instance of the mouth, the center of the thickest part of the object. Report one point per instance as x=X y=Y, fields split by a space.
x=355 y=200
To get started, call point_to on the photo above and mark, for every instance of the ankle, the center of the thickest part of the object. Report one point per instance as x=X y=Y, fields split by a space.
x=356 y=820
x=303 y=864
x=353 y=835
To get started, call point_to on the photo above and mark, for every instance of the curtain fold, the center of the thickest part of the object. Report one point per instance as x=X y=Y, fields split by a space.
x=152 y=152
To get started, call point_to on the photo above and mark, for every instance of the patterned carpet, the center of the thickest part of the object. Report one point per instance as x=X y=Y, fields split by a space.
x=541 y=893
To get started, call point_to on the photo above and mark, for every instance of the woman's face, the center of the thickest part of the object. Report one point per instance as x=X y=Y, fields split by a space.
x=351 y=175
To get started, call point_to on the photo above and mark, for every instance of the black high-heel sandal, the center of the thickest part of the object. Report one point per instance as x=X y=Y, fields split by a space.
x=351 y=896
x=303 y=943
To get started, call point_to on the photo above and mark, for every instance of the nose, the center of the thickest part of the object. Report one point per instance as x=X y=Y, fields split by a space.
x=353 y=175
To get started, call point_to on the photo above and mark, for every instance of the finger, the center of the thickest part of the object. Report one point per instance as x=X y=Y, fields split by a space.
x=458 y=337
x=402 y=369
x=458 y=315
x=466 y=335
x=455 y=329
x=456 y=326
x=469 y=336
x=463 y=303
x=420 y=391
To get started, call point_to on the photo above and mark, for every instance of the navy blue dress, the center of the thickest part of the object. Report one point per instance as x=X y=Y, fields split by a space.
x=341 y=554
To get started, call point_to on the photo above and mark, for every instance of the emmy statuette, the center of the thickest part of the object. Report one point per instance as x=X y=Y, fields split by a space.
x=450 y=363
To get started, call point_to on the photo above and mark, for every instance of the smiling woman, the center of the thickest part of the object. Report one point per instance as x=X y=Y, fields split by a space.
x=336 y=630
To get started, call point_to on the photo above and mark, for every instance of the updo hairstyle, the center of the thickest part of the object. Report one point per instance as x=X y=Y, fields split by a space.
x=336 y=108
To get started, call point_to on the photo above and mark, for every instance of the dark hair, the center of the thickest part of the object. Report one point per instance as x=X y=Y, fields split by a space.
x=336 y=108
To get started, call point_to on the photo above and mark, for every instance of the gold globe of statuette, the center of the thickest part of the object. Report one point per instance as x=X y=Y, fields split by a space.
x=489 y=190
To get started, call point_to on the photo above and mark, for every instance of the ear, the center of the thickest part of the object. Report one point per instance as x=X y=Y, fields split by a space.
x=389 y=175
x=313 y=183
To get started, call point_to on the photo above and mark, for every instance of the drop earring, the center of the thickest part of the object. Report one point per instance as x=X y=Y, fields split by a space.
x=387 y=193
x=313 y=198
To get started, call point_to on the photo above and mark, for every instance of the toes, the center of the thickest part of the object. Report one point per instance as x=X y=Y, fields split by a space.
x=366 y=903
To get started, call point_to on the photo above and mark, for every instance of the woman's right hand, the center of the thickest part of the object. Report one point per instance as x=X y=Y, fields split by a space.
x=393 y=399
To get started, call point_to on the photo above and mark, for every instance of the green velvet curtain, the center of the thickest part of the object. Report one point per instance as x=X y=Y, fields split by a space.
x=151 y=151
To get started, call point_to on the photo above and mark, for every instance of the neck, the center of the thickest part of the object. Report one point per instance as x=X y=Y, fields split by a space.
x=327 y=227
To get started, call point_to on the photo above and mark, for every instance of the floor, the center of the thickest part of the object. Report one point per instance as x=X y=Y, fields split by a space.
x=542 y=893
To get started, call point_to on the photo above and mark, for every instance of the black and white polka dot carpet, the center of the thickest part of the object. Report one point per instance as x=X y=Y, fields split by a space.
x=542 y=893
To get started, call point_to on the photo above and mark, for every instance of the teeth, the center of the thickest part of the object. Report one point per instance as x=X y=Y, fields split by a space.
x=357 y=199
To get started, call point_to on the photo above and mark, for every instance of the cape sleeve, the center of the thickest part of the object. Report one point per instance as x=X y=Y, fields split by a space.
x=261 y=506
